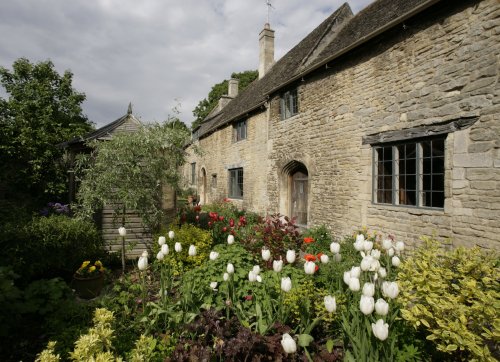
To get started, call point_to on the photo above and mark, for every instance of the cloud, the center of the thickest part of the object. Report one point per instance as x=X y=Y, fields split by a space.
x=153 y=53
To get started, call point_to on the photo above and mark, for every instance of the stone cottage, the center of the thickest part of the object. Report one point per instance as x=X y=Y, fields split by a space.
x=388 y=119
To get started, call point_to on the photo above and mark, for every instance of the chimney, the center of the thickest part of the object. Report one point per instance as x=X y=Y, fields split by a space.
x=232 y=87
x=223 y=101
x=266 y=45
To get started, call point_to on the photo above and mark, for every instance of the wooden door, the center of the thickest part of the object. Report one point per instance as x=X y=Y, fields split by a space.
x=299 y=191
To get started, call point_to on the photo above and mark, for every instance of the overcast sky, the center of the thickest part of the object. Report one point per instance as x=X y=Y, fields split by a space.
x=154 y=53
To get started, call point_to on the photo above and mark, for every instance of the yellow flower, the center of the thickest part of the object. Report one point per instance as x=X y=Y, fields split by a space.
x=98 y=264
x=84 y=264
x=91 y=269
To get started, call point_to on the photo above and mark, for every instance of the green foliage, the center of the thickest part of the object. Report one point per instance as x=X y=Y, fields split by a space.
x=51 y=246
x=213 y=271
x=205 y=106
x=454 y=296
x=129 y=171
x=42 y=111
x=186 y=235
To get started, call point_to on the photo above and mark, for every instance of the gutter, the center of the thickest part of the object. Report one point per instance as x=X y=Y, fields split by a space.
x=364 y=39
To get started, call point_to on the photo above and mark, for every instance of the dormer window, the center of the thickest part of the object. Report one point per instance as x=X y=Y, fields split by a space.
x=289 y=104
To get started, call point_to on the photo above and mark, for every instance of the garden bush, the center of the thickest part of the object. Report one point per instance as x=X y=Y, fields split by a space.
x=53 y=246
x=454 y=298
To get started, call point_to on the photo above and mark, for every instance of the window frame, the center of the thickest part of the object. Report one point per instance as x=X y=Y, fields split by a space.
x=240 y=131
x=289 y=103
x=234 y=177
x=424 y=172
x=193 y=173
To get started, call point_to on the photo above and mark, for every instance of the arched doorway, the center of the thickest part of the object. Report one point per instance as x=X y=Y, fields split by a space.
x=203 y=190
x=298 y=191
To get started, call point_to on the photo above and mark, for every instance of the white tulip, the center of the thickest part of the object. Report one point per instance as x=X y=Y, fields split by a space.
x=213 y=285
x=390 y=289
x=288 y=343
x=355 y=272
x=395 y=261
x=256 y=269
x=324 y=259
x=368 y=289
x=359 y=245
x=354 y=284
x=367 y=245
x=366 y=263
x=122 y=231
x=380 y=330
x=277 y=265
x=213 y=255
x=171 y=235
x=360 y=238
x=381 y=307
x=164 y=249
x=347 y=277
x=143 y=263
x=400 y=246
x=330 y=304
x=309 y=267
x=225 y=277
x=252 y=277
x=338 y=257
x=375 y=253
x=266 y=254
x=178 y=247
x=160 y=255
x=335 y=248
x=145 y=254
x=290 y=256
x=366 y=305
x=390 y=252
x=230 y=239
x=161 y=240
x=382 y=272
x=259 y=278
x=230 y=268
x=286 y=284
x=387 y=244
x=192 y=250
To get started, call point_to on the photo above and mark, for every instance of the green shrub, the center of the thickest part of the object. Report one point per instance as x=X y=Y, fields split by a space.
x=454 y=297
x=54 y=246
x=186 y=235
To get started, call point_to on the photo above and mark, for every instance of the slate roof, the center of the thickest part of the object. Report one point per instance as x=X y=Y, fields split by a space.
x=101 y=133
x=339 y=33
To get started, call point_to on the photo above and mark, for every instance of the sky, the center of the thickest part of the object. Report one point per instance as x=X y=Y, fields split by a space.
x=160 y=55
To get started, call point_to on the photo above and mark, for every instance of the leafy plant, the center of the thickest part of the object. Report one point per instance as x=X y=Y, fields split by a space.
x=454 y=297
x=54 y=246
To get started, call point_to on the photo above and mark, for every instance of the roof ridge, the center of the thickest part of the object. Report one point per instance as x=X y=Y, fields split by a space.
x=333 y=20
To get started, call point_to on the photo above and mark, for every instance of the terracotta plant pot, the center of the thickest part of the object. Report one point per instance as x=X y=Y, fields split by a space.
x=88 y=288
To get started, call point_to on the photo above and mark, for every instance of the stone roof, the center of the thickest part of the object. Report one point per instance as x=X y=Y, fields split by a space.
x=103 y=132
x=336 y=35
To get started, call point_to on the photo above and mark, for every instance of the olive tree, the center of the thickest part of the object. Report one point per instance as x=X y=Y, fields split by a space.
x=128 y=172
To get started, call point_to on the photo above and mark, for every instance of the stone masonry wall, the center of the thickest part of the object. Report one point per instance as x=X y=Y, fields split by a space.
x=219 y=154
x=442 y=64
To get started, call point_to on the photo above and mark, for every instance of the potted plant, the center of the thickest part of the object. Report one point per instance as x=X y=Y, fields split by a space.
x=88 y=280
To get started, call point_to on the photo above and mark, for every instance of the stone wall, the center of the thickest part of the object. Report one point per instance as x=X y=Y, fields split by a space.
x=218 y=154
x=434 y=68
x=440 y=65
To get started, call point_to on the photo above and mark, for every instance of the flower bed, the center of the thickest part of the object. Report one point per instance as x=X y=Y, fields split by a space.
x=250 y=289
